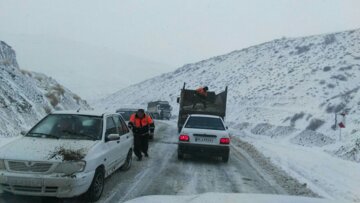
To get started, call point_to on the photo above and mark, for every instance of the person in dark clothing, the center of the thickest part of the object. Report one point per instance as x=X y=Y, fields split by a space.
x=141 y=124
x=201 y=96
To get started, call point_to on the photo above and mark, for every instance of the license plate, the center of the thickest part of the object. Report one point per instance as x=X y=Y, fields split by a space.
x=204 y=139
x=25 y=181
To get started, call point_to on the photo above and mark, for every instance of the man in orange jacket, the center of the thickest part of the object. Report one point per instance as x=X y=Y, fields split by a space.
x=141 y=124
x=201 y=96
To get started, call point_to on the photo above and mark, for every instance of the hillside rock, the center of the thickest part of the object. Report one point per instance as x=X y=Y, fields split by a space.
x=26 y=97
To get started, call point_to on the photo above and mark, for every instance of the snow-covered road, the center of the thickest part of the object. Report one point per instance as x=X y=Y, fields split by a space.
x=163 y=174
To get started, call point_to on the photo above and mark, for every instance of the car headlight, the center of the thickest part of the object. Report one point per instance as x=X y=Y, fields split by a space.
x=70 y=167
x=2 y=165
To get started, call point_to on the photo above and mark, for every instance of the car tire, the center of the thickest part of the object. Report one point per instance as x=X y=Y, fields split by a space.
x=97 y=186
x=180 y=156
x=225 y=158
x=128 y=162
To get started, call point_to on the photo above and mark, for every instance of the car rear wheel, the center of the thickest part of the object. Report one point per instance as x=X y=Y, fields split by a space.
x=128 y=162
x=180 y=156
x=97 y=186
x=225 y=158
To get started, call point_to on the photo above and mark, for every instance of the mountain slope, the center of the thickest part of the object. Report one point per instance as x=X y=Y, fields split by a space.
x=25 y=97
x=299 y=82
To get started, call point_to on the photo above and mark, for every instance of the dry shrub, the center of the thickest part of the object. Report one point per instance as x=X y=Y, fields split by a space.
x=53 y=98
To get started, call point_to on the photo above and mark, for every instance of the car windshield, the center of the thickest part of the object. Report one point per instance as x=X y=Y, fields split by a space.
x=205 y=123
x=62 y=126
x=164 y=106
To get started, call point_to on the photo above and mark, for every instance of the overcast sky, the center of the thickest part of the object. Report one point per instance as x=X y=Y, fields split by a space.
x=171 y=32
x=177 y=31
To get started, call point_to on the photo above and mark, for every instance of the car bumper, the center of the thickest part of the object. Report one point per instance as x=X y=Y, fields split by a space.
x=203 y=150
x=46 y=185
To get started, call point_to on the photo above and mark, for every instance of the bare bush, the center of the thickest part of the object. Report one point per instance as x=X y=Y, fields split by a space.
x=53 y=98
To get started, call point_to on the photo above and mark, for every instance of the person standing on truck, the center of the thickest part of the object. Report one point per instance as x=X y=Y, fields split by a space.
x=141 y=124
x=201 y=96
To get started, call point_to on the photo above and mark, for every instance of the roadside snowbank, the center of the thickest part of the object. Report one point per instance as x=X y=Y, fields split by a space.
x=327 y=175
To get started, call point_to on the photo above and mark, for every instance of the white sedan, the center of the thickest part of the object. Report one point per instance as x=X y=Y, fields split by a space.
x=66 y=154
x=204 y=135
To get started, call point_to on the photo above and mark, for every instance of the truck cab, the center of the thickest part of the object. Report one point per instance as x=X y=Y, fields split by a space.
x=160 y=110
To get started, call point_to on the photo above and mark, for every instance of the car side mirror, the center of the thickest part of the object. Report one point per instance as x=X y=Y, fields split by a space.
x=113 y=137
x=227 y=127
x=23 y=132
x=178 y=100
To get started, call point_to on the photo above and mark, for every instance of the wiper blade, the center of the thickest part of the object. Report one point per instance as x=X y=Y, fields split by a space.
x=80 y=134
x=47 y=135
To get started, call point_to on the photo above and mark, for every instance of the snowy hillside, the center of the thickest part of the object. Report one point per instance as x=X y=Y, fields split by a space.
x=300 y=83
x=25 y=97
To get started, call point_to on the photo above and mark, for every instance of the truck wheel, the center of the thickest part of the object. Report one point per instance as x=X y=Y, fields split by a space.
x=97 y=186
x=128 y=162
x=225 y=158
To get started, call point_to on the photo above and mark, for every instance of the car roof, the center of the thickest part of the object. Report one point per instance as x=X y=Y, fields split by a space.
x=204 y=115
x=86 y=113
x=126 y=109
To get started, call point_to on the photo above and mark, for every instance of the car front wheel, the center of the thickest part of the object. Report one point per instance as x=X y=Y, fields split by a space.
x=97 y=186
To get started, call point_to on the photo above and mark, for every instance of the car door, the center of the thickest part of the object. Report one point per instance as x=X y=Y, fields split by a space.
x=127 y=139
x=122 y=146
x=112 y=146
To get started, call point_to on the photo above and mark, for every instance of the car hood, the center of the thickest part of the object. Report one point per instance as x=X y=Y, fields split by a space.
x=43 y=149
x=230 y=197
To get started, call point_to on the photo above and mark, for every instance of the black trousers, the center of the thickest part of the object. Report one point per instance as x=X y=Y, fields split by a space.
x=141 y=144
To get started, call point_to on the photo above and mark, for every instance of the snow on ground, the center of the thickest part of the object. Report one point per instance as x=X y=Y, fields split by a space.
x=325 y=174
x=228 y=197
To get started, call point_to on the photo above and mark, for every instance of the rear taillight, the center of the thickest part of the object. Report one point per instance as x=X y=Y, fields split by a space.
x=184 y=138
x=225 y=140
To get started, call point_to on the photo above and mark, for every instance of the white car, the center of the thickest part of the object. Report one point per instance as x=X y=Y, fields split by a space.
x=204 y=135
x=67 y=154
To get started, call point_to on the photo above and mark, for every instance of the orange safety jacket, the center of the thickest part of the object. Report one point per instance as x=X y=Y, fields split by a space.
x=141 y=125
x=201 y=91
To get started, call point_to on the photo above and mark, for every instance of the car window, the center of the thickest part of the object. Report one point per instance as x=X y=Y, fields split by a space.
x=111 y=126
x=119 y=126
x=124 y=126
x=205 y=123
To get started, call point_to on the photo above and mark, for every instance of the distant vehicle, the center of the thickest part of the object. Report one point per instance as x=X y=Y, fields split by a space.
x=204 y=135
x=216 y=105
x=160 y=110
x=126 y=113
x=67 y=154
